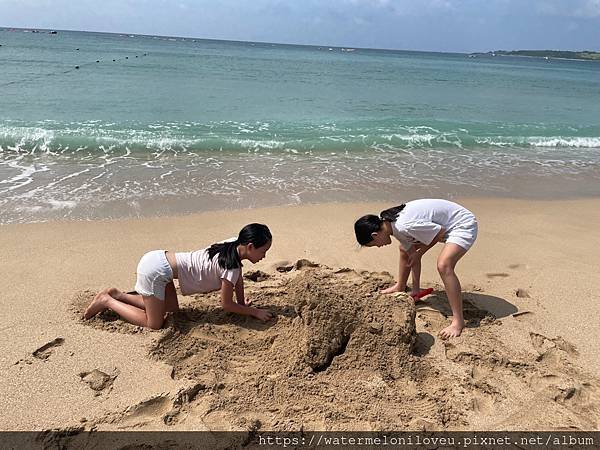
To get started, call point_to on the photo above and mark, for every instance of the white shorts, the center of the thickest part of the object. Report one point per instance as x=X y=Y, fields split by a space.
x=153 y=274
x=463 y=235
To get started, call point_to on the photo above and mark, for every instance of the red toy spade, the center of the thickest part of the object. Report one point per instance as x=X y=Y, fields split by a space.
x=422 y=293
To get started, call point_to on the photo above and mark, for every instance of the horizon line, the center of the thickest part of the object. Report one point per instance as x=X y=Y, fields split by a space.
x=285 y=43
x=229 y=40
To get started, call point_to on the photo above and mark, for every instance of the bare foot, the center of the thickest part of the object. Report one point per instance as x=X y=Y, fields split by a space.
x=101 y=293
x=115 y=293
x=392 y=289
x=454 y=330
x=98 y=305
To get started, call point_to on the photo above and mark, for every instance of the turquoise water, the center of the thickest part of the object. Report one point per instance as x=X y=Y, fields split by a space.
x=153 y=125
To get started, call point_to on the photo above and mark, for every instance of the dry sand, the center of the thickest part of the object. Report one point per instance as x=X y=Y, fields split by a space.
x=339 y=356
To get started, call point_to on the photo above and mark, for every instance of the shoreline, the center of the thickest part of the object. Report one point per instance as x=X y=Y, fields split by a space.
x=545 y=248
x=184 y=206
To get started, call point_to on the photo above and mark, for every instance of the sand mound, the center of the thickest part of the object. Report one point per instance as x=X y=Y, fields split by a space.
x=345 y=325
x=340 y=356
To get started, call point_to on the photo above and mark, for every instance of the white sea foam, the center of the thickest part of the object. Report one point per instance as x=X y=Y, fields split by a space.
x=26 y=138
x=412 y=139
x=578 y=142
x=61 y=204
x=256 y=144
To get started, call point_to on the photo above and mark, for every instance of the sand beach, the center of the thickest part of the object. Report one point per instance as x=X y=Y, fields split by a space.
x=338 y=356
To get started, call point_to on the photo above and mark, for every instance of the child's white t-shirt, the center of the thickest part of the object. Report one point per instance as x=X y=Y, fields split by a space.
x=421 y=220
x=199 y=274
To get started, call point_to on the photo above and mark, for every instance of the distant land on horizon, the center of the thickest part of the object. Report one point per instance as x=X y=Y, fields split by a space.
x=587 y=55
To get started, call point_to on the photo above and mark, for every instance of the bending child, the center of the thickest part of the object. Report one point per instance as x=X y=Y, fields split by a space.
x=419 y=225
x=216 y=267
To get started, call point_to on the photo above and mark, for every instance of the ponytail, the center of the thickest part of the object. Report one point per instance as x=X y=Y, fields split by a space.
x=229 y=258
x=369 y=224
x=391 y=214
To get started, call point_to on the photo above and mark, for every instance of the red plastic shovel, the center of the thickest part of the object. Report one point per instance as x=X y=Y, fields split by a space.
x=422 y=293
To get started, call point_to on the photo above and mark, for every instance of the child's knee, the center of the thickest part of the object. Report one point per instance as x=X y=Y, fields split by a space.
x=445 y=267
x=155 y=323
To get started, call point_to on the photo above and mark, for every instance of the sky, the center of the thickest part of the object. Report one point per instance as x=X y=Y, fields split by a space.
x=426 y=25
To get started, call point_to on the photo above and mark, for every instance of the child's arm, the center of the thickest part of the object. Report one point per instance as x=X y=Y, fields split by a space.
x=239 y=291
x=418 y=250
x=230 y=306
x=438 y=237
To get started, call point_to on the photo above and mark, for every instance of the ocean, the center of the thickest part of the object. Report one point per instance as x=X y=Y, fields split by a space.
x=100 y=126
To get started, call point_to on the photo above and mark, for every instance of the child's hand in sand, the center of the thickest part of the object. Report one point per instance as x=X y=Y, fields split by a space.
x=262 y=314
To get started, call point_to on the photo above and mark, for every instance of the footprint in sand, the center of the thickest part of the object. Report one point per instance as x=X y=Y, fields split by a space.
x=563 y=389
x=552 y=351
x=42 y=353
x=541 y=343
x=497 y=275
x=164 y=408
x=485 y=393
x=575 y=393
x=148 y=411
x=565 y=346
x=98 y=381
x=46 y=350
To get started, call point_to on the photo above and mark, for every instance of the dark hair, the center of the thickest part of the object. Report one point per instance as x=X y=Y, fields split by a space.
x=254 y=233
x=366 y=225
